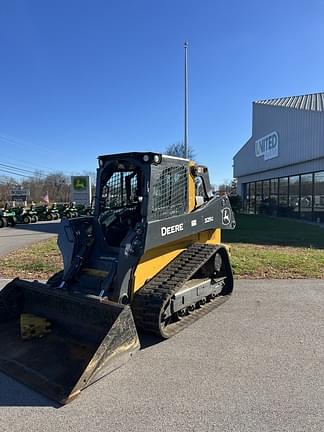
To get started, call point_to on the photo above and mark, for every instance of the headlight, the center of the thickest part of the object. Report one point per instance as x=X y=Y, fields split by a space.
x=146 y=158
x=157 y=159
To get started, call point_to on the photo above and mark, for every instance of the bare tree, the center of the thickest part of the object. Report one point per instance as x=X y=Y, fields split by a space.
x=56 y=184
x=6 y=186
x=228 y=187
x=178 y=150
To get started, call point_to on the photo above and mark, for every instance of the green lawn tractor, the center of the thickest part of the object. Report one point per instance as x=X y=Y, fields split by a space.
x=25 y=215
x=32 y=213
x=80 y=209
x=7 y=217
x=85 y=210
x=68 y=211
x=47 y=213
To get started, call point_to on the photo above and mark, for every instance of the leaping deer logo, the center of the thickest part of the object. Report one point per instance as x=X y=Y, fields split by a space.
x=226 y=216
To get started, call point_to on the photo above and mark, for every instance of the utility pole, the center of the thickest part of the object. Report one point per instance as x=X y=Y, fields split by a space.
x=186 y=148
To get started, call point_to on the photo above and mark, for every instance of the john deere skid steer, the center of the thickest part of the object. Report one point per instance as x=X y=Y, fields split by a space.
x=150 y=258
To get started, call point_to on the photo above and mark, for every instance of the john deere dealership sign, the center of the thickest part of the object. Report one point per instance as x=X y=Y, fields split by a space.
x=81 y=189
x=267 y=146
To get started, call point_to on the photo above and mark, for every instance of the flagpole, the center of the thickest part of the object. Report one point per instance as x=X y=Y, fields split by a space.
x=186 y=149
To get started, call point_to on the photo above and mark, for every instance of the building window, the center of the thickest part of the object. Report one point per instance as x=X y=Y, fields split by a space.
x=258 y=195
x=306 y=196
x=266 y=190
x=294 y=195
x=252 y=198
x=319 y=196
x=265 y=206
x=283 y=196
x=274 y=194
x=246 y=196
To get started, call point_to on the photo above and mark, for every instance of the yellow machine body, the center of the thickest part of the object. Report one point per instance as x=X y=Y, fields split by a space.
x=154 y=260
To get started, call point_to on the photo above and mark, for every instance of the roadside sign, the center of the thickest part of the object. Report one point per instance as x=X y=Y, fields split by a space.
x=19 y=194
x=81 y=190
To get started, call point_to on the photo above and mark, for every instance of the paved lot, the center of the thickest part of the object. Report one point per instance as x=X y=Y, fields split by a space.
x=22 y=235
x=254 y=364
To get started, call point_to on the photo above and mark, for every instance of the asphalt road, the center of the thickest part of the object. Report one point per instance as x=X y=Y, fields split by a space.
x=254 y=364
x=22 y=235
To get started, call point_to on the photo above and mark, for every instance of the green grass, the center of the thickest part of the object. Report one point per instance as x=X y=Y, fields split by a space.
x=38 y=261
x=265 y=230
x=265 y=247
x=261 y=247
x=270 y=262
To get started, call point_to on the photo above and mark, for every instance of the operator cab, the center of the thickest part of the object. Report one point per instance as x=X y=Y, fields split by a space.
x=120 y=201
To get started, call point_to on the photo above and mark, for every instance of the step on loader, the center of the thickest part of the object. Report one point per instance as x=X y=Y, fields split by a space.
x=149 y=258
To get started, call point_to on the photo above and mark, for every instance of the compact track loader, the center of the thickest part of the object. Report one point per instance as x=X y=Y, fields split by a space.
x=150 y=258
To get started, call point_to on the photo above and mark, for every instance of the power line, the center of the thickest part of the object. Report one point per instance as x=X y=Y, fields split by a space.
x=14 y=173
x=22 y=170
x=9 y=169
x=34 y=165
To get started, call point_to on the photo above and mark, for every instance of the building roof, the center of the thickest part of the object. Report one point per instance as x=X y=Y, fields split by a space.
x=310 y=102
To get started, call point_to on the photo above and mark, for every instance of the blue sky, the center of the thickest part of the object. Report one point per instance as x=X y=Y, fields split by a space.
x=82 y=78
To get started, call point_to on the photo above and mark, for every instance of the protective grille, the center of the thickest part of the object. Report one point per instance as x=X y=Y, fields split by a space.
x=115 y=192
x=170 y=193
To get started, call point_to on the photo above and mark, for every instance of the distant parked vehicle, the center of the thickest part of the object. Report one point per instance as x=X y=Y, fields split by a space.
x=68 y=211
x=47 y=213
x=24 y=215
x=85 y=210
x=7 y=217
x=32 y=213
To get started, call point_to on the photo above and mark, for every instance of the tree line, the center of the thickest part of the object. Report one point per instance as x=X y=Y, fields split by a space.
x=56 y=185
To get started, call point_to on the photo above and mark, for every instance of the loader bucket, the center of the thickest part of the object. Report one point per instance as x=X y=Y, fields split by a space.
x=88 y=338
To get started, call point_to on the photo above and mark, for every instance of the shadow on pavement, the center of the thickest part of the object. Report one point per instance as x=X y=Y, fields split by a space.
x=12 y=393
x=147 y=340
x=46 y=227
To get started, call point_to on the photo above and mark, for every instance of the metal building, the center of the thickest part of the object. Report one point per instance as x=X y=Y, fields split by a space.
x=280 y=169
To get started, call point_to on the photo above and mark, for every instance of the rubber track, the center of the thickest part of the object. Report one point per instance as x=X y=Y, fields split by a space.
x=154 y=296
